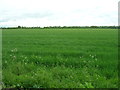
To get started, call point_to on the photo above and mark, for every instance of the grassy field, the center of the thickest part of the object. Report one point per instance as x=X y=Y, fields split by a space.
x=60 y=58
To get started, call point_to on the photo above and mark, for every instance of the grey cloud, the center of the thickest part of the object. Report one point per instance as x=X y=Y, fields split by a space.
x=4 y=20
x=27 y=15
x=37 y=15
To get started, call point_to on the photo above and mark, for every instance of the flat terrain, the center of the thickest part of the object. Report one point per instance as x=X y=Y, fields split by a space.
x=60 y=58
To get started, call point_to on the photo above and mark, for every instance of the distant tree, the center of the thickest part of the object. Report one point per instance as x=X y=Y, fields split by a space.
x=94 y=26
x=19 y=26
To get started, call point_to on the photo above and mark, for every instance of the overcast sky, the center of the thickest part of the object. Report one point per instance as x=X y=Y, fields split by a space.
x=58 y=12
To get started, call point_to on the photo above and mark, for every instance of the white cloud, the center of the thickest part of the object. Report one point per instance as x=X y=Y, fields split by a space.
x=58 y=12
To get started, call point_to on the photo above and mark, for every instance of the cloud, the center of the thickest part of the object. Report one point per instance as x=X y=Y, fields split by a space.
x=58 y=12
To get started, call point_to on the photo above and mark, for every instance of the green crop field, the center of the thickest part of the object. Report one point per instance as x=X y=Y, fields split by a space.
x=60 y=58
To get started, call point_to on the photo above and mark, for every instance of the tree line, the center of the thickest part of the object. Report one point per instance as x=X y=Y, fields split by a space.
x=23 y=27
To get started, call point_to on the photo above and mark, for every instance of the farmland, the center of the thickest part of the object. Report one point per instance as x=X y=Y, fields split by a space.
x=60 y=58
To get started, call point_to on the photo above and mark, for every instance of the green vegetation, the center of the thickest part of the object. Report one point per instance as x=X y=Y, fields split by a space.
x=60 y=58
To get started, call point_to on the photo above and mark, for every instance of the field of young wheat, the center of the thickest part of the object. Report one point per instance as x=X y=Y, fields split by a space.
x=60 y=58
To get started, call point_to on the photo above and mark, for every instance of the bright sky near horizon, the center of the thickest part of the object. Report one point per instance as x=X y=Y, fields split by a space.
x=58 y=13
